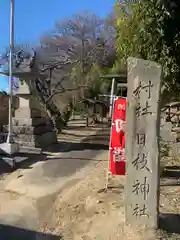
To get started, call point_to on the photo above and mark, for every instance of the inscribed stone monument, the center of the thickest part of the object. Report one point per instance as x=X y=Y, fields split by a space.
x=142 y=143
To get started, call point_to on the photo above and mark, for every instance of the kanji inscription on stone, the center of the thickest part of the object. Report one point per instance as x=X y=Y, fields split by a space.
x=142 y=147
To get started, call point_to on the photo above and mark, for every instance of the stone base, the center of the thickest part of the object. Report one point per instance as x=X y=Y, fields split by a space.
x=36 y=132
x=29 y=130
x=9 y=148
x=29 y=121
x=36 y=141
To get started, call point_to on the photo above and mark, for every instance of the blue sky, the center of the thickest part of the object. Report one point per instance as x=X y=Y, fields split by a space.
x=35 y=17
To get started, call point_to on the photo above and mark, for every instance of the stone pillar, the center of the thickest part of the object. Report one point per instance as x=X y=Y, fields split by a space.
x=142 y=143
x=31 y=124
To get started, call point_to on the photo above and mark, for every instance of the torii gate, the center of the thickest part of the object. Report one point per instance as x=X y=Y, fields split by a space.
x=121 y=80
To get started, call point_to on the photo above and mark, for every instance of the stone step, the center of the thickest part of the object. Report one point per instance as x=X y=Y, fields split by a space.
x=9 y=160
x=176 y=129
x=173 y=104
x=173 y=113
x=26 y=149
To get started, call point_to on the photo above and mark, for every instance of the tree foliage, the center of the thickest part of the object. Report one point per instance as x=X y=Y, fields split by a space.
x=150 y=29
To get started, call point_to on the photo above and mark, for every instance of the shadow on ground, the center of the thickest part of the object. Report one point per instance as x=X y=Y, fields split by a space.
x=170 y=223
x=62 y=147
x=171 y=172
x=79 y=159
x=21 y=159
x=11 y=233
x=25 y=160
x=170 y=176
x=78 y=135
x=100 y=141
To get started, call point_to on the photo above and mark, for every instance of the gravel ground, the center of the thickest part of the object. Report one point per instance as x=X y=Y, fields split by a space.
x=88 y=213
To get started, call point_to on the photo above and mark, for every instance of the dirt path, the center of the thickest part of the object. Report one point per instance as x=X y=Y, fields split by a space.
x=84 y=212
x=62 y=197
x=27 y=194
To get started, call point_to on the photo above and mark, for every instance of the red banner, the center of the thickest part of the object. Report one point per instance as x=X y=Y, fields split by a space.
x=117 y=141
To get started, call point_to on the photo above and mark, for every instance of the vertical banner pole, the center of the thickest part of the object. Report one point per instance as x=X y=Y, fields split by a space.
x=112 y=97
x=112 y=115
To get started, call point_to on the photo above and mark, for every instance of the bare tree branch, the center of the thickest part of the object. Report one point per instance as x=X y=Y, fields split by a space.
x=76 y=43
x=62 y=91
